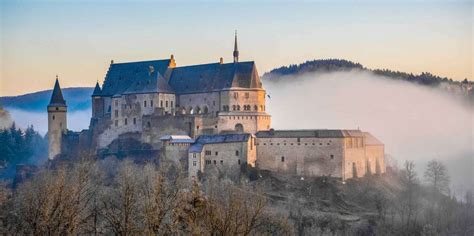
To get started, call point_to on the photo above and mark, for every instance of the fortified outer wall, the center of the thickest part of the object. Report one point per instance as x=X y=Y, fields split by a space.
x=309 y=156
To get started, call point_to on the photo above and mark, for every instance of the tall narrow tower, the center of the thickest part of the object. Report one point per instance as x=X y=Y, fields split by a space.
x=236 y=50
x=57 y=122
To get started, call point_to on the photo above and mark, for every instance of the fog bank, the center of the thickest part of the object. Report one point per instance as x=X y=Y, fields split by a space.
x=415 y=122
x=76 y=121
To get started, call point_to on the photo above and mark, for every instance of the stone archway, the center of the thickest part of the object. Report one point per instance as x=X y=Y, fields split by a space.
x=239 y=128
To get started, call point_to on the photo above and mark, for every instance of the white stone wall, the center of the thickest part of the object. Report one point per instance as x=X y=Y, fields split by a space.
x=223 y=158
x=309 y=156
x=200 y=101
x=57 y=126
x=376 y=157
x=251 y=122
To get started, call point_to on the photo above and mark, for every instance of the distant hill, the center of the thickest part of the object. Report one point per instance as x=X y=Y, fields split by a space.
x=334 y=65
x=76 y=98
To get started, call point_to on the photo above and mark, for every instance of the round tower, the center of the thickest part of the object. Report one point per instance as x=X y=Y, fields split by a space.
x=57 y=122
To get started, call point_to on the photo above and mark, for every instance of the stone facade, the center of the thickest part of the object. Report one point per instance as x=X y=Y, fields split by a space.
x=338 y=153
x=221 y=154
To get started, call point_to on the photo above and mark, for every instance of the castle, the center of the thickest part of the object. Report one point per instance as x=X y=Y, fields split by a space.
x=209 y=117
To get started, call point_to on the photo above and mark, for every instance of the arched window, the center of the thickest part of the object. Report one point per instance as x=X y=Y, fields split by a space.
x=233 y=107
x=238 y=107
x=206 y=110
x=239 y=128
x=198 y=110
x=255 y=108
x=282 y=159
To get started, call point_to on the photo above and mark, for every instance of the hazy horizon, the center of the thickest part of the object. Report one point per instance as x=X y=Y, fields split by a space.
x=77 y=40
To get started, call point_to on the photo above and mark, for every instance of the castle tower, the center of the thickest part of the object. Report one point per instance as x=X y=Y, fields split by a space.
x=236 y=50
x=57 y=122
x=97 y=102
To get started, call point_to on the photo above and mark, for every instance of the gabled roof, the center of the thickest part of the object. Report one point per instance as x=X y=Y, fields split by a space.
x=122 y=76
x=177 y=139
x=97 y=90
x=154 y=84
x=57 y=96
x=316 y=133
x=213 y=139
x=371 y=140
x=215 y=76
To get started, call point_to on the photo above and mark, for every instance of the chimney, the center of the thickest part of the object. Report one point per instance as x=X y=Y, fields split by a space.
x=172 y=62
x=221 y=60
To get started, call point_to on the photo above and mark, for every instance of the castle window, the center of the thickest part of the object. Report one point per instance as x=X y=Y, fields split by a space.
x=54 y=117
x=171 y=104
x=238 y=107
x=236 y=95
x=57 y=108
x=134 y=121
x=144 y=103
x=126 y=121
x=215 y=162
x=238 y=161
x=148 y=124
x=237 y=153
x=320 y=144
x=332 y=156
x=298 y=140
x=213 y=103
x=282 y=159
x=116 y=113
x=217 y=153
x=255 y=108
x=194 y=163
x=222 y=162
x=233 y=107
x=166 y=103
x=161 y=103
x=208 y=162
x=116 y=103
x=151 y=103
x=116 y=123
x=207 y=152
x=194 y=155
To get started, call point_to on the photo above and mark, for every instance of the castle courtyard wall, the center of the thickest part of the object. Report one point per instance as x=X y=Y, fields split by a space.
x=309 y=157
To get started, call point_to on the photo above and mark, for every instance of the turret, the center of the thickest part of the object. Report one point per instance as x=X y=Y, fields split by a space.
x=97 y=102
x=236 y=50
x=57 y=122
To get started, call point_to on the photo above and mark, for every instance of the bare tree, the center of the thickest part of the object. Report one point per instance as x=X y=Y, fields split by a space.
x=436 y=175
x=409 y=195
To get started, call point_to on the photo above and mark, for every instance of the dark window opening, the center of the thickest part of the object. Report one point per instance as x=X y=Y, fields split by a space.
x=236 y=153
x=282 y=159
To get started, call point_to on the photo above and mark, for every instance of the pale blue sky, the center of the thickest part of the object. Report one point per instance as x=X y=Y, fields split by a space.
x=77 y=39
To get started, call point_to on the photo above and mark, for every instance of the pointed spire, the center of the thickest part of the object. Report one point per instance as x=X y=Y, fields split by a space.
x=57 y=97
x=97 y=90
x=236 y=50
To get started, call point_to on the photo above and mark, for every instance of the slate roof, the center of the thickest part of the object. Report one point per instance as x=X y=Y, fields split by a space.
x=57 y=96
x=317 y=133
x=222 y=138
x=215 y=76
x=97 y=90
x=133 y=76
x=149 y=76
x=177 y=138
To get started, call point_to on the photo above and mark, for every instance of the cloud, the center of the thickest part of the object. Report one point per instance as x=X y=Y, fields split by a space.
x=415 y=122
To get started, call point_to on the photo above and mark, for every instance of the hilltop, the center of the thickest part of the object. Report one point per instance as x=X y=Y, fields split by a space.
x=77 y=99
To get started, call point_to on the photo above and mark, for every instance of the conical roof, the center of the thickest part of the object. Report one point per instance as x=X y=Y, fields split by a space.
x=57 y=97
x=97 y=90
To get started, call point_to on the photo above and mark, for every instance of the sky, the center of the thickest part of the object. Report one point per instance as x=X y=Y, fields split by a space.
x=78 y=39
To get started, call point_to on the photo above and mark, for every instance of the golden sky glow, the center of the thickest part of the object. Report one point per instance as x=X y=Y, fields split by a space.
x=77 y=40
